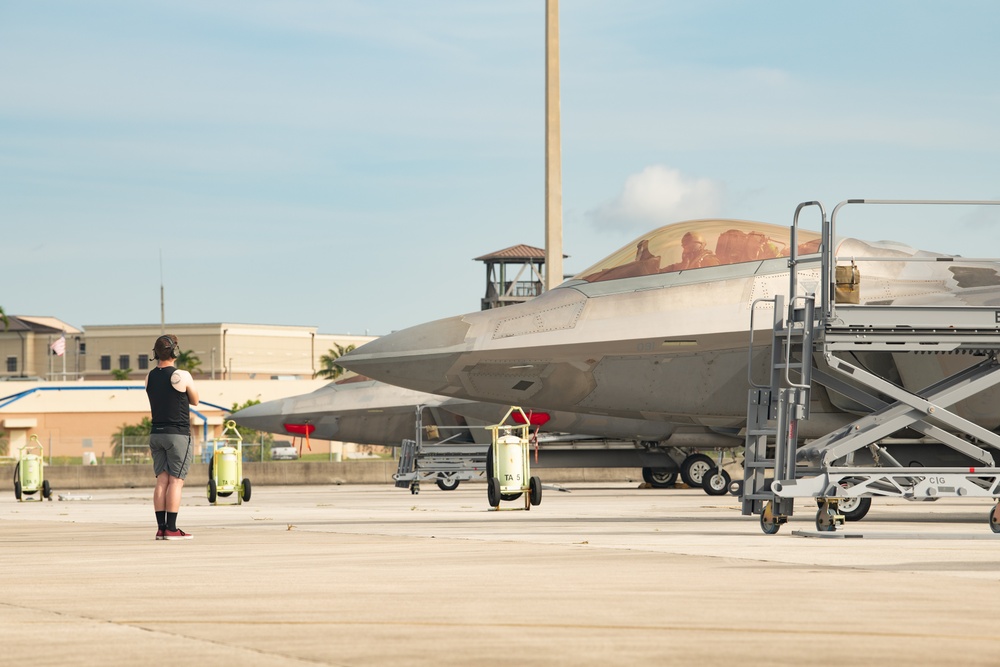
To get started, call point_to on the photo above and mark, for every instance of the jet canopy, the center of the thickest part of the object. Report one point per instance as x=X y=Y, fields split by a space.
x=699 y=243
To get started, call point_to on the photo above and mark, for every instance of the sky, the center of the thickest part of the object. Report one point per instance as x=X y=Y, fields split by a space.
x=339 y=164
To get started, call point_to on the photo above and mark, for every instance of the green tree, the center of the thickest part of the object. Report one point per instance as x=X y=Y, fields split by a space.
x=188 y=361
x=120 y=373
x=4 y=444
x=3 y=318
x=331 y=369
x=129 y=434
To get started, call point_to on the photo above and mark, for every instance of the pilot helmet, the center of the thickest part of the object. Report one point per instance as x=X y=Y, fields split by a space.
x=692 y=238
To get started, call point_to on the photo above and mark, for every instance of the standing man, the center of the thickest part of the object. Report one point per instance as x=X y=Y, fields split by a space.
x=171 y=392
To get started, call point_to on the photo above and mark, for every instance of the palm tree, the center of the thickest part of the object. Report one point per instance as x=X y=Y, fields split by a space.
x=120 y=373
x=331 y=369
x=188 y=361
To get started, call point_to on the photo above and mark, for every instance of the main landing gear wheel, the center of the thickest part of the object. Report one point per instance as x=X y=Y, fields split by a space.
x=694 y=468
x=716 y=482
x=659 y=478
x=447 y=483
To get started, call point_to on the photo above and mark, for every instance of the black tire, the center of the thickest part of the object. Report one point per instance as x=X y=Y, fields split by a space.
x=716 y=482
x=17 y=489
x=212 y=494
x=493 y=492
x=489 y=462
x=46 y=490
x=246 y=490
x=659 y=478
x=535 y=484
x=447 y=483
x=694 y=467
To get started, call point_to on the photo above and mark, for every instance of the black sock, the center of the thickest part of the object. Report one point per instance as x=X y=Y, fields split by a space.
x=171 y=520
x=161 y=520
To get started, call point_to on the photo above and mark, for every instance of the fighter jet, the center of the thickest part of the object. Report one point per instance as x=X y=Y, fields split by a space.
x=660 y=331
x=362 y=410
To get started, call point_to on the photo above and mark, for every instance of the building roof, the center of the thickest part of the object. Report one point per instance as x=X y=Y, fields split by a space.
x=40 y=324
x=516 y=252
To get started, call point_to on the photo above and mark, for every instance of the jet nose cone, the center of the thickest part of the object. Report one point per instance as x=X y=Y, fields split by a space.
x=260 y=417
x=416 y=358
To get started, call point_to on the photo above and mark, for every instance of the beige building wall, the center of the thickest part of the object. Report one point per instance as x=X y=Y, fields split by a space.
x=71 y=418
x=226 y=351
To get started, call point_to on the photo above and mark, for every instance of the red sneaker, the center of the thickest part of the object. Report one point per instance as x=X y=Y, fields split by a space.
x=177 y=535
x=161 y=534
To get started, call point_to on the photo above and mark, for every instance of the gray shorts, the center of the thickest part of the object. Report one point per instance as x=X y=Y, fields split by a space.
x=171 y=453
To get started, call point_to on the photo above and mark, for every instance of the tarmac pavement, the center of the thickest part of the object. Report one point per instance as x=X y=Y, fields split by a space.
x=599 y=574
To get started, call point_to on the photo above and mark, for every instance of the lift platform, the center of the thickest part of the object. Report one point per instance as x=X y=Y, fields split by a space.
x=815 y=341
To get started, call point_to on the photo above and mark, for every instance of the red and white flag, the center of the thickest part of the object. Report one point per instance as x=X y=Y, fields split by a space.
x=59 y=347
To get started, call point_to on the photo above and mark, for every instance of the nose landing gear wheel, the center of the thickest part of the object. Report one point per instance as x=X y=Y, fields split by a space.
x=716 y=482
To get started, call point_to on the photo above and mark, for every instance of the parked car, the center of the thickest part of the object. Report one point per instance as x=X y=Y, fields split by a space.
x=283 y=450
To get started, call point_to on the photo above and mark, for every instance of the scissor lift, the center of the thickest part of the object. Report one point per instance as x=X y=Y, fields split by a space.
x=852 y=464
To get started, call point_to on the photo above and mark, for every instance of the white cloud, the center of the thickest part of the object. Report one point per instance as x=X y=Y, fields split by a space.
x=656 y=196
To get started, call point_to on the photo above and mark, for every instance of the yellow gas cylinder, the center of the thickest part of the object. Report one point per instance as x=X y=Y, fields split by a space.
x=31 y=472
x=226 y=472
x=510 y=462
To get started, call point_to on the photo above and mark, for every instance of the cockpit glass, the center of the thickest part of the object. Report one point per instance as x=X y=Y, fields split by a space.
x=697 y=244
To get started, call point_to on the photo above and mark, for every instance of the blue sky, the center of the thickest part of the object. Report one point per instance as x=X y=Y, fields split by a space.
x=338 y=164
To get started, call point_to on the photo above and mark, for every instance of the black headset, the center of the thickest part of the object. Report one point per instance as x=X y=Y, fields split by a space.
x=174 y=352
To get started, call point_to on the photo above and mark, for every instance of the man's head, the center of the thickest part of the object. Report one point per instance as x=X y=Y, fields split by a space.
x=166 y=348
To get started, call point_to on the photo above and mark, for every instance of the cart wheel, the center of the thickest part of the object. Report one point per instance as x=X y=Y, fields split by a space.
x=716 y=482
x=212 y=495
x=826 y=520
x=46 y=489
x=447 y=483
x=535 y=486
x=414 y=488
x=769 y=526
x=246 y=490
x=17 y=490
x=493 y=492
x=995 y=519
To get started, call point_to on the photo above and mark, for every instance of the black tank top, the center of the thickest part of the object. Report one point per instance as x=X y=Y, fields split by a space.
x=171 y=413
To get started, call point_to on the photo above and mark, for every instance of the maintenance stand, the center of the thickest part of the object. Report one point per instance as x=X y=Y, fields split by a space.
x=813 y=336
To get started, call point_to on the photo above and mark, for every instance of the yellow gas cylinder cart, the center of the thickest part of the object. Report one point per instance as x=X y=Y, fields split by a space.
x=28 y=473
x=226 y=467
x=508 y=475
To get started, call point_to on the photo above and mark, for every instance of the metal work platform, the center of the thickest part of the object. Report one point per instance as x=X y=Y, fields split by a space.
x=818 y=340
